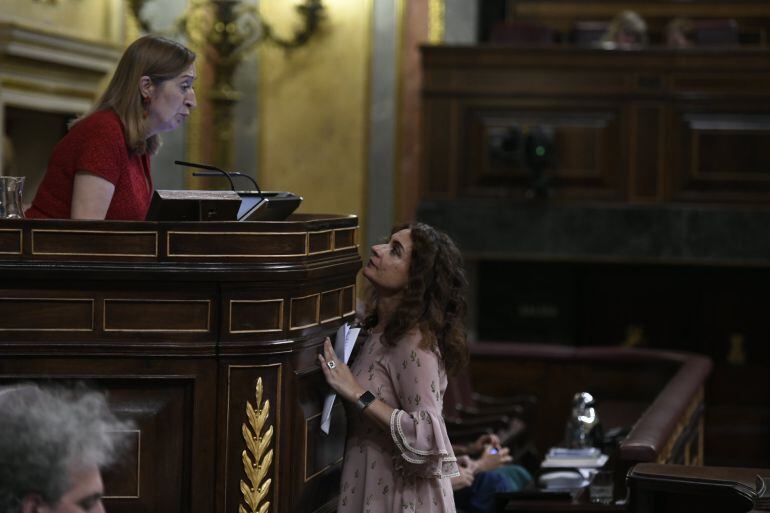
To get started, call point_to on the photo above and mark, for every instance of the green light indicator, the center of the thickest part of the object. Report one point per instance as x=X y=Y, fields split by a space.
x=540 y=151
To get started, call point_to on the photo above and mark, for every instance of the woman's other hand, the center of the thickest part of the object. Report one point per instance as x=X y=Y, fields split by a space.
x=486 y=439
x=492 y=458
x=464 y=480
x=338 y=375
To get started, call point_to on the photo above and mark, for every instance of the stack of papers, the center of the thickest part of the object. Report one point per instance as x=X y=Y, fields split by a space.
x=343 y=346
x=587 y=457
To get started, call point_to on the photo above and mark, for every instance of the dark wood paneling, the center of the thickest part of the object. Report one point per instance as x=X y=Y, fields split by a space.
x=646 y=125
x=320 y=458
x=94 y=243
x=323 y=452
x=720 y=312
x=320 y=242
x=725 y=155
x=586 y=149
x=178 y=345
x=438 y=132
x=157 y=315
x=10 y=242
x=153 y=472
x=213 y=244
x=154 y=466
x=45 y=314
x=348 y=300
x=304 y=311
x=345 y=238
x=256 y=316
x=330 y=305
x=646 y=162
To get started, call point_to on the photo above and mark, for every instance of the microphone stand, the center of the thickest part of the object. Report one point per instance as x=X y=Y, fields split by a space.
x=215 y=171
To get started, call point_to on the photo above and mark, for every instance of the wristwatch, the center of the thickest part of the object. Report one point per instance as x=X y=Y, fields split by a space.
x=365 y=400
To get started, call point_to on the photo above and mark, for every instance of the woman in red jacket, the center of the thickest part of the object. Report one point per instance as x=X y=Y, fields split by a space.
x=101 y=168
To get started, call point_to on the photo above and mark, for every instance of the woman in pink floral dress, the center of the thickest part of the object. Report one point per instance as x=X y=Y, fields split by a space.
x=398 y=457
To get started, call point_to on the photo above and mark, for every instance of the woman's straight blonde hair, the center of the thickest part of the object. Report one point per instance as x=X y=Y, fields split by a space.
x=158 y=58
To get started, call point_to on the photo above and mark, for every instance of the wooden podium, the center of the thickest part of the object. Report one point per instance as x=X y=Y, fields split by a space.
x=187 y=326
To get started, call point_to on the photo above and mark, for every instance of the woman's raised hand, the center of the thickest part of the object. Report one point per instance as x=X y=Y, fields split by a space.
x=492 y=458
x=338 y=375
x=486 y=439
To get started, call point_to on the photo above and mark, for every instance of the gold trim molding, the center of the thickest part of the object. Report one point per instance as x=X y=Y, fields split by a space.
x=256 y=461
x=436 y=21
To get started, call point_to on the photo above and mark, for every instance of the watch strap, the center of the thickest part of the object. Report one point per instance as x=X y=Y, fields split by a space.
x=365 y=400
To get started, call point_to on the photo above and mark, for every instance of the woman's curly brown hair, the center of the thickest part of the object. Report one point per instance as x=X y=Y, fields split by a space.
x=434 y=299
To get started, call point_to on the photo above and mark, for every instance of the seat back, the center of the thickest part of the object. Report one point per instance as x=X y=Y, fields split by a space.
x=521 y=33
x=716 y=32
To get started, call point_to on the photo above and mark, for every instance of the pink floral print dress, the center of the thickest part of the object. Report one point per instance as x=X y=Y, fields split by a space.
x=408 y=467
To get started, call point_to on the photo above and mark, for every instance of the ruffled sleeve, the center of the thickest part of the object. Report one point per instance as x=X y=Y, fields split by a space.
x=416 y=425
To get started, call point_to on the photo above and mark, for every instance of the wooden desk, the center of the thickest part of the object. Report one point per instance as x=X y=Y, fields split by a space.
x=182 y=324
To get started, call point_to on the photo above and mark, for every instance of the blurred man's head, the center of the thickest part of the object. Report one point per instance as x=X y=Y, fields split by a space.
x=52 y=444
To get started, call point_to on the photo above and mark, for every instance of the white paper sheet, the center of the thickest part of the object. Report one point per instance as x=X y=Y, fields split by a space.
x=344 y=342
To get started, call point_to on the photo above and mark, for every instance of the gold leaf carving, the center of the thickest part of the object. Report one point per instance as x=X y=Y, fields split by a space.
x=256 y=458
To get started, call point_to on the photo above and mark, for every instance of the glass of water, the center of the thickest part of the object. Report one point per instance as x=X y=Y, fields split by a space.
x=11 y=190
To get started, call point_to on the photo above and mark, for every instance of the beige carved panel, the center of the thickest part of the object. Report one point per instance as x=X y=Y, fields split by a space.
x=93 y=20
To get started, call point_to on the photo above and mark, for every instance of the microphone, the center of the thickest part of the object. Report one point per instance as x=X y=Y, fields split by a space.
x=215 y=171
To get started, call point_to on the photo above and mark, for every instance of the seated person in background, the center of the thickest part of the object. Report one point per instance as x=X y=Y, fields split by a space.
x=680 y=33
x=101 y=168
x=626 y=30
x=481 y=478
x=52 y=443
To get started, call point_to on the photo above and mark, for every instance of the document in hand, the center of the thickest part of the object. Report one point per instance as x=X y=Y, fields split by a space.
x=344 y=342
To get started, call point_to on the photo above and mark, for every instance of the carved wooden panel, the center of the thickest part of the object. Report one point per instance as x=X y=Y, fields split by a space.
x=322 y=452
x=236 y=244
x=440 y=148
x=36 y=314
x=256 y=315
x=10 y=242
x=348 y=300
x=240 y=387
x=345 y=238
x=646 y=126
x=319 y=460
x=150 y=475
x=167 y=315
x=152 y=471
x=585 y=149
x=725 y=156
x=304 y=311
x=646 y=160
x=330 y=305
x=94 y=243
x=320 y=242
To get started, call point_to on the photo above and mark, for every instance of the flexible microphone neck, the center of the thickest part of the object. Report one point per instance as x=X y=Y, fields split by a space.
x=218 y=171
